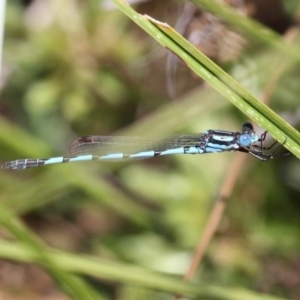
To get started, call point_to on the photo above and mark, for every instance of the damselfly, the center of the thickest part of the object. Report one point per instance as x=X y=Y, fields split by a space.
x=113 y=148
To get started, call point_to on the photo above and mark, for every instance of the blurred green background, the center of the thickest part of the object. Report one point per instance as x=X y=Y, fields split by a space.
x=72 y=68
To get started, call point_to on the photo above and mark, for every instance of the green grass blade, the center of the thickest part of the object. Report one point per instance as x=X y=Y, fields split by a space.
x=99 y=268
x=71 y=284
x=217 y=78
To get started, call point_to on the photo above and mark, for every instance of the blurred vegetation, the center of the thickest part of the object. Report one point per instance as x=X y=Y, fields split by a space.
x=71 y=68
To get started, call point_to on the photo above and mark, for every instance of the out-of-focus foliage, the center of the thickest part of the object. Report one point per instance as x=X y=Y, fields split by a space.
x=72 y=69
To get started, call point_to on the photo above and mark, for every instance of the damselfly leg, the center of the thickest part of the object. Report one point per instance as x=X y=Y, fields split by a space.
x=258 y=151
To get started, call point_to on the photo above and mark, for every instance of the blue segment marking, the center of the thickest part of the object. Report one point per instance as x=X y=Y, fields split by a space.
x=173 y=151
x=81 y=158
x=142 y=154
x=113 y=156
x=54 y=160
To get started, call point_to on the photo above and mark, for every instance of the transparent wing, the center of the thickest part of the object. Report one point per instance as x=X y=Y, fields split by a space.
x=103 y=145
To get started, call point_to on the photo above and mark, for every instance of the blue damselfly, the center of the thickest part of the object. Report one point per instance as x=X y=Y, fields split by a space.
x=114 y=148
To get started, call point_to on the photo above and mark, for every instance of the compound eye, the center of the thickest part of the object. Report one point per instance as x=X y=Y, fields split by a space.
x=245 y=140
